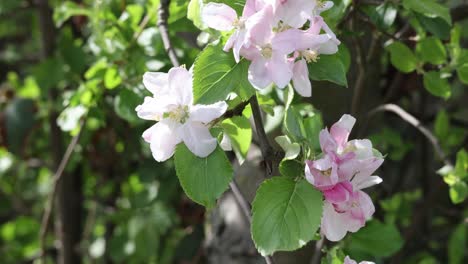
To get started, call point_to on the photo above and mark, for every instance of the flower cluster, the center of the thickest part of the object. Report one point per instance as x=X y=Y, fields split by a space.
x=279 y=37
x=345 y=168
x=178 y=119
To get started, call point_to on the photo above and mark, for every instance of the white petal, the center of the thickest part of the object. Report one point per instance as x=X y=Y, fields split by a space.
x=156 y=82
x=370 y=181
x=198 y=139
x=301 y=79
x=180 y=84
x=207 y=113
x=333 y=224
x=164 y=139
x=219 y=16
x=280 y=70
x=154 y=108
x=259 y=75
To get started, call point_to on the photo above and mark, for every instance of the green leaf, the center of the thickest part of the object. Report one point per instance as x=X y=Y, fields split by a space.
x=436 y=26
x=431 y=50
x=286 y=215
x=461 y=165
x=291 y=168
x=112 y=78
x=216 y=74
x=125 y=103
x=429 y=8
x=293 y=124
x=383 y=16
x=312 y=126
x=462 y=72
x=203 y=179
x=240 y=133
x=458 y=192
x=442 y=125
x=402 y=57
x=68 y=9
x=436 y=85
x=329 y=68
x=291 y=149
x=457 y=244
x=377 y=239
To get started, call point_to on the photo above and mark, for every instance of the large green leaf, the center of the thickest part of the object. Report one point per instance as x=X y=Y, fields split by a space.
x=402 y=57
x=436 y=85
x=377 y=239
x=286 y=214
x=203 y=179
x=329 y=68
x=383 y=16
x=216 y=74
x=431 y=50
x=429 y=8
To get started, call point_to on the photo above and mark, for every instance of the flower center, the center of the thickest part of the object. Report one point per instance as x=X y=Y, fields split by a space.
x=267 y=51
x=327 y=173
x=320 y=3
x=239 y=23
x=180 y=114
x=310 y=55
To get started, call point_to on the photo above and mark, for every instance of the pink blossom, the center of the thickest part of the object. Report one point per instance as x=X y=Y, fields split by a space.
x=346 y=216
x=178 y=119
x=345 y=168
x=348 y=260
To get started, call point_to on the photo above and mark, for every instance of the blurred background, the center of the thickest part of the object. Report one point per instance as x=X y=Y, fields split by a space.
x=78 y=184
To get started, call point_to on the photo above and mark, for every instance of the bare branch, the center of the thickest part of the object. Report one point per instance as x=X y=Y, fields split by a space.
x=55 y=182
x=265 y=147
x=318 y=251
x=410 y=119
x=163 y=14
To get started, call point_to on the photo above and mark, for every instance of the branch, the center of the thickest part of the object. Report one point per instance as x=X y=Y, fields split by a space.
x=265 y=147
x=163 y=14
x=417 y=124
x=55 y=182
x=318 y=251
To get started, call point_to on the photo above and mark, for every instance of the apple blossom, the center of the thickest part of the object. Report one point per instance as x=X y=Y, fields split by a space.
x=345 y=168
x=178 y=119
x=348 y=260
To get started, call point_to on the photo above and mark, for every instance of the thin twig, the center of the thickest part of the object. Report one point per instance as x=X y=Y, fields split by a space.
x=55 y=182
x=265 y=147
x=410 y=119
x=163 y=14
x=359 y=84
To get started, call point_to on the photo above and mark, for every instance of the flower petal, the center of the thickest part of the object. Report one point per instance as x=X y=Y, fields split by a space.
x=340 y=130
x=156 y=83
x=219 y=16
x=163 y=139
x=280 y=69
x=301 y=79
x=207 y=113
x=180 y=83
x=154 y=108
x=334 y=225
x=258 y=74
x=198 y=139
